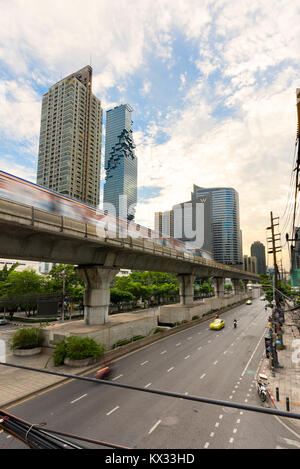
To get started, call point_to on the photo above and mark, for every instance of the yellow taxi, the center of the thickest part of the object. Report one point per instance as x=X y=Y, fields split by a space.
x=217 y=324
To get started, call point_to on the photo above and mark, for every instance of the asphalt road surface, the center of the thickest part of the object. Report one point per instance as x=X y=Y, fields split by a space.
x=200 y=362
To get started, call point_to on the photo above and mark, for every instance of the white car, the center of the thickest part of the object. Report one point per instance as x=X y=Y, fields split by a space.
x=3 y=321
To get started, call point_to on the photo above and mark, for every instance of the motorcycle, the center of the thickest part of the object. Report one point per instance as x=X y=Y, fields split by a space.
x=262 y=387
x=235 y=323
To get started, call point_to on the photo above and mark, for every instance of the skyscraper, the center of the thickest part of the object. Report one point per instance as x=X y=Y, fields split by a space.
x=258 y=250
x=225 y=223
x=120 y=188
x=71 y=138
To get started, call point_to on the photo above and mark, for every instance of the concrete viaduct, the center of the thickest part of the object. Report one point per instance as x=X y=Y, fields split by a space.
x=33 y=234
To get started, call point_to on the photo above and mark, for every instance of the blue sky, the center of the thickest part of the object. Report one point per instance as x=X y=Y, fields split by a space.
x=212 y=84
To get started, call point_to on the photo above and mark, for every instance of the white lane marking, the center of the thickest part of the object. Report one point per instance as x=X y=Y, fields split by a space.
x=144 y=363
x=188 y=356
x=206 y=445
x=253 y=353
x=189 y=338
x=78 y=398
x=162 y=353
x=231 y=440
x=230 y=397
x=212 y=434
x=154 y=427
x=204 y=374
x=179 y=343
x=220 y=417
x=217 y=424
x=199 y=348
x=234 y=430
x=215 y=362
x=117 y=377
x=113 y=410
x=225 y=352
x=170 y=369
x=147 y=385
x=287 y=427
x=238 y=421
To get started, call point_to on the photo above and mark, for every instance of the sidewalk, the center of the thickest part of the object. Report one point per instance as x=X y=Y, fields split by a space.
x=16 y=384
x=286 y=379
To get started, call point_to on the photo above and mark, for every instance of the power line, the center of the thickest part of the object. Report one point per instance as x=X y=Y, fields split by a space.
x=205 y=400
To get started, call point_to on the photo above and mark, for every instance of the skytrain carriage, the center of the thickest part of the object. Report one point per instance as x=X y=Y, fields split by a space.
x=21 y=191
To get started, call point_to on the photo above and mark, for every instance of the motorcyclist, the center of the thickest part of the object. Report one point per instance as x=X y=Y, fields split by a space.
x=234 y=322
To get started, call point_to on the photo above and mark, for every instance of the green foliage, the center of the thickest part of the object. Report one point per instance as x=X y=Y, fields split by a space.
x=59 y=353
x=158 y=329
x=77 y=348
x=26 y=338
x=195 y=317
x=144 y=285
x=127 y=341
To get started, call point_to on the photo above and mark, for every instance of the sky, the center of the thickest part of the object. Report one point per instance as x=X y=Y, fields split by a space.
x=212 y=84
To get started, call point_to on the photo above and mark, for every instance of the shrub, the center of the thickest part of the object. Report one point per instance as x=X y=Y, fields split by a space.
x=127 y=341
x=27 y=338
x=195 y=317
x=158 y=329
x=59 y=353
x=77 y=348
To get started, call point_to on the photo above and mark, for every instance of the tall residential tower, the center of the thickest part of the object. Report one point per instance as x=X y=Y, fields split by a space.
x=120 y=188
x=71 y=138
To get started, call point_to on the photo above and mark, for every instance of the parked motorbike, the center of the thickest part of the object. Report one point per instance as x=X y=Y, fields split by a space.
x=262 y=387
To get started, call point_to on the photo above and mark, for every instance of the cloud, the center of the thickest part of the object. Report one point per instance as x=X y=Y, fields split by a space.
x=226 y=70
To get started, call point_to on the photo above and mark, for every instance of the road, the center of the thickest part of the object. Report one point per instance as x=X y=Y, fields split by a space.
x=200 y=362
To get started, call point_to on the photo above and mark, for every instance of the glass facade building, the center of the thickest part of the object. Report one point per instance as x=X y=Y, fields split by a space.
x=225 y=223
x=71 y=138
x=258 y=250
x=120 y=187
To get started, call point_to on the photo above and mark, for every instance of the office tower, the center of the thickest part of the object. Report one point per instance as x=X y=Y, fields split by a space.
x=250 y=264
x=189 y=222
x=258 y=250
x=225 y=223
x=71 y=138
x=120 y=188
x=164 y=223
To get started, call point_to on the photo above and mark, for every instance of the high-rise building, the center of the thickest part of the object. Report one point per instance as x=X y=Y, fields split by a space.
x=189 y=222
x=250 y=264
x=225 y=223
x=71 y=138
x=120 y=188
x=258 y=250
x=164 y=223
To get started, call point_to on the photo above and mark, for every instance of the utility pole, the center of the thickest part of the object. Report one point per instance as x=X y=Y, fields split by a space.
x=276 y=298
x=273 y=250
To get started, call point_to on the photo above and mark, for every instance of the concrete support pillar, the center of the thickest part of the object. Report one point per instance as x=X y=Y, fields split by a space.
x=186 y=288
x=236 y=285
x=97 y=281
x=245 y=282
x=219 y=287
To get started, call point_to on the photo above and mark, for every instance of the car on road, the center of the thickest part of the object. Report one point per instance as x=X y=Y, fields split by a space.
x=217 y=324
x=104 y=372
x=3 y=321
x=248 y=302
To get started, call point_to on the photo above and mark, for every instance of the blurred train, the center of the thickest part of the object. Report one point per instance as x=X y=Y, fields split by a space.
x=19 y=190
